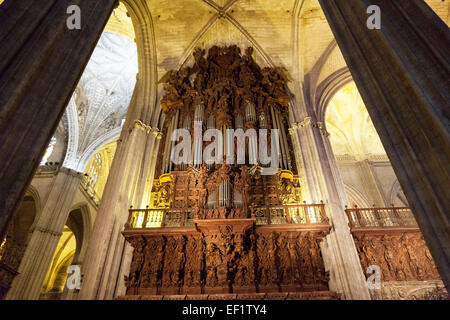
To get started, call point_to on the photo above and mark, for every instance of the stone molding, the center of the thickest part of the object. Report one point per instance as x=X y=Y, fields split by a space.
x=70 y=172
x=50 y=232
x=147 y=128
x=316 y=295
x=309 y=122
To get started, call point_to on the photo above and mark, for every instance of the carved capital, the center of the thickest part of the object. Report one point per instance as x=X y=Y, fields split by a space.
x=293 y=128
x=157 y=133
x=315 y=124
x=50 y=232
x=71 y=172
x=306 y=122
x=140 y=125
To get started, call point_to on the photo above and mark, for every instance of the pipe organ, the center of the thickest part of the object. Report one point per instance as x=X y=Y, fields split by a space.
x=223 y=227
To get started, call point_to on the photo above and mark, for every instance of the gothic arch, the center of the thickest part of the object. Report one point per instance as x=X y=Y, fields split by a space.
x=327 y=89
x=36 y=197
x=95 y=146
x=397 y=192
x=356 y=197
x=63 y=256
x=82 y=232
x=60 y=273
x=221 y=12
x=70 y=160
x=147 y=78
x=17 y=236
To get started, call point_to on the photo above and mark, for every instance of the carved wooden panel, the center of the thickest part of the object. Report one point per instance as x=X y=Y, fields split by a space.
x=401 y=256
x=226 y=260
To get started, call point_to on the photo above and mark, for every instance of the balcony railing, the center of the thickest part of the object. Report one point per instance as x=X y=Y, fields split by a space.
x=159 y=218
x=270 y=215
x=381 y=218
x=291 y=214
x=89 y=188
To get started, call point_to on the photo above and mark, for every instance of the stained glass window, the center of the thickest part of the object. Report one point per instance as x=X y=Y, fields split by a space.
x=49 y=151
x=94 y=171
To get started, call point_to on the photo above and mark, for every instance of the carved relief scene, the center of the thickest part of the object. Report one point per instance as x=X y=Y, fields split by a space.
x=389 y=243
x=227 y=263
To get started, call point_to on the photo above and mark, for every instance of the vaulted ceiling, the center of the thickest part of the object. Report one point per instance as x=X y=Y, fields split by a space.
x=293 y=34
x=352 y=133
x=290 y=33
x=180 y=26
x=99 y=105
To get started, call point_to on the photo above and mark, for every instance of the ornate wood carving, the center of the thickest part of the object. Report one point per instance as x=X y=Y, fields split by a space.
x=225 y=253
x=401 y=256
x=226 y=258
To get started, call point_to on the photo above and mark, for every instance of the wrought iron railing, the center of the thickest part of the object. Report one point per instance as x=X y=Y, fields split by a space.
x=381 y=218
x=291 y=214
x=269 y=215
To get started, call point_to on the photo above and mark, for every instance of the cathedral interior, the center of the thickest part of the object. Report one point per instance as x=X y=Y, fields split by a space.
x=94 y=207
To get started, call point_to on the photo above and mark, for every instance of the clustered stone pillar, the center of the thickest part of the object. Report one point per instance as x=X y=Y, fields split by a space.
x=45 y=236
x=370 y=184
x=324 y=183
x=108 y=255
x=125 y=186
x=402 y=72
x=38 y=73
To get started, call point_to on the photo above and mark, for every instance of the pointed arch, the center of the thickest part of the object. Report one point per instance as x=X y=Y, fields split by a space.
x=356 y=197
x=95 y=146
x=147 y=78
x=70 y=159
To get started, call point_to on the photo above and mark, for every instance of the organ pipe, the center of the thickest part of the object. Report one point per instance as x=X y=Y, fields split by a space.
x=250 y=112
x=198 y=140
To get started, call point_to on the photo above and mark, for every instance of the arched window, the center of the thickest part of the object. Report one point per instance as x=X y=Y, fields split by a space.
x=94 y=171
x=49 y=151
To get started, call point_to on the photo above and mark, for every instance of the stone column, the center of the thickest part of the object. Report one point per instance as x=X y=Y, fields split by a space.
x=45 y=236
x=324 y=183
x=299 y=162
x=106 y=258
x=124 y=186
x=402 y=73
x=120 y=264
x=370 y=184
x=118 y=258
x=40 y=65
